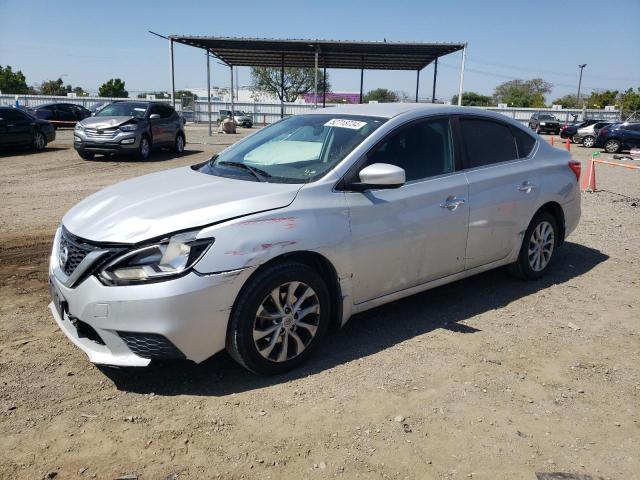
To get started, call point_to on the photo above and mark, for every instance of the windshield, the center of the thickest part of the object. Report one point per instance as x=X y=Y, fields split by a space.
x=298 y=149
x=547 y=117
x=124 y=109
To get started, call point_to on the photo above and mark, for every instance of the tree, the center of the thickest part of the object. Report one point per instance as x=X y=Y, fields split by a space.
x=473 y=99
x=381 y=95
x=522 y=93
x=80 y=92
x=568 y=101
x=630 y=101
x=12 y=82
x=601 y=99
x=297 y=82
x=187 y=97
x=54 y=87
x=113 y=88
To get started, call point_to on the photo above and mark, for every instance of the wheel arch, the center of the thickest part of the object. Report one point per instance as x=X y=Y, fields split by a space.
x=321 y=265
x=556 y=210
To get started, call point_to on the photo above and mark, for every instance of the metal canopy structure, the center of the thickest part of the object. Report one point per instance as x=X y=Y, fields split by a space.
x=259 y=52
x=263 y=52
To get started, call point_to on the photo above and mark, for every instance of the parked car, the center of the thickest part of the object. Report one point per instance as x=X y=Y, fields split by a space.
x=571 y=130
x=239 y=117
x=587 y=135
x=130 y=127
x=305 y=223
x=61 y=114
x=544 y=122
x=18 y=128
x=618 y=137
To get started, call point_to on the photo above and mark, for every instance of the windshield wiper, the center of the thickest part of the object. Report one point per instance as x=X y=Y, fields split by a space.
x=261 y=175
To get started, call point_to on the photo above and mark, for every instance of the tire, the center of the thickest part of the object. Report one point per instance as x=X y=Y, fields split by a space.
x=86 y=155
x=538 y=130
x=178 y=145
x=612 y=146
x=589 y=141
x=39 y=141
x=557 y=132
x=144 y=150
x=527 y=266
x=278 y=327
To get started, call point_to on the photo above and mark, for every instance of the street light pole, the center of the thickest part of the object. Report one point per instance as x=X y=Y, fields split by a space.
x=581 y=67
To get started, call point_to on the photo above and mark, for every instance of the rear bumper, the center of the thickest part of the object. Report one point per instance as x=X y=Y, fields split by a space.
x=129 y=326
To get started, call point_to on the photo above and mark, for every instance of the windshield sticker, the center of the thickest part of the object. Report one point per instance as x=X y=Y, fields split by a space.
x=342 y=123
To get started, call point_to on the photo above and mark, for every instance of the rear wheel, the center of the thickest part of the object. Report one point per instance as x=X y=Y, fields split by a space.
x=144 y=150
x=39 y=141
x=279 y=318
x=538 y=247
x=588 y=141
x=612 y=146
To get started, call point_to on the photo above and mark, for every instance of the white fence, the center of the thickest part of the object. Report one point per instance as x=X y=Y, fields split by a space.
x=265 y=113
x=35 y=100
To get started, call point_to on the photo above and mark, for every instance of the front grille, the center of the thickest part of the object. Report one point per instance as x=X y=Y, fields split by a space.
x=151 y=345
x=72 y=251
x=96 y=133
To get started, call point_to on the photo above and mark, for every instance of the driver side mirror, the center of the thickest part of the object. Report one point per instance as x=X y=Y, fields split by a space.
x=154 y=116
x=379 y=176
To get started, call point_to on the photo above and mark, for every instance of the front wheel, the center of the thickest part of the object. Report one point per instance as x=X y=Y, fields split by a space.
x=86 y=155
x=144 y=150
x=179 y=143
x=39 y=141
x=538 y=131
x=588 y=141
x=612 y=146
x=279 y=318
x=538 y=246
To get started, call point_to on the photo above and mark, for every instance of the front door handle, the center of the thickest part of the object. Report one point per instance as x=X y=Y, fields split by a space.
x=451 y=203
x=526 y=187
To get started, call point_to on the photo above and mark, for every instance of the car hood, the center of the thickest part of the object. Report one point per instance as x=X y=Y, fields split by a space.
x=153 y=205
x=105 y=122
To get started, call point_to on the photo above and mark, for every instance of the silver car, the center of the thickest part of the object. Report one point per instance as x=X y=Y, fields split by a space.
x=303 y=224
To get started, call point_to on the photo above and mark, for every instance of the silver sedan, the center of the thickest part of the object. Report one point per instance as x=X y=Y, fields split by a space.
x=303 y=224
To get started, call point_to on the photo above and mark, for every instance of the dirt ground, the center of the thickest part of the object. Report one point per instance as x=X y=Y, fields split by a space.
x=489 y=377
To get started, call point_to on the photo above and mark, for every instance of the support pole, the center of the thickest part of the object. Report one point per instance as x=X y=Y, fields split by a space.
x=435 y=79
x=206 y=52
x=282 y=87
x=417 y=84
x=233 y=114
x=315 y=84
x=237 y=85
x=361 y=77
x=173 y=79
x=464 y=58
x=324 y=86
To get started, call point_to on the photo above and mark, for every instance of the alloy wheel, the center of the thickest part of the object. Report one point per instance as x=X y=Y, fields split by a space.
x=588 y=142
x=144 y=147
x=38 y=141
x=612 y=146
x=179 y=144
x=541 y=246
x=286 y=321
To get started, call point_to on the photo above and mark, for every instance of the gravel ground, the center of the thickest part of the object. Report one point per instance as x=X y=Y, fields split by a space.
x=488 y=377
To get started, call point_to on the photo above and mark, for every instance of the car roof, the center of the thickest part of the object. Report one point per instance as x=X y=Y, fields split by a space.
x=390 y=110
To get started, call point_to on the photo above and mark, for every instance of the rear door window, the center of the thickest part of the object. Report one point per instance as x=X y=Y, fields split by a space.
x=524 y=142
x=487 y=142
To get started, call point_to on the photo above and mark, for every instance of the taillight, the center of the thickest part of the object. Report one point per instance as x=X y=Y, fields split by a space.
x=576 y=168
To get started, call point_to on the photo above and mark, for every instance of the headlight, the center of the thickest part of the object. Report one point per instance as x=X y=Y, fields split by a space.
x=79 y=127
x=131 y=127
x=543 y=123
x=165 y=259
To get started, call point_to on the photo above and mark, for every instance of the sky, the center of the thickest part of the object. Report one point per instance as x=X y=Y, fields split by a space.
x=86 y=43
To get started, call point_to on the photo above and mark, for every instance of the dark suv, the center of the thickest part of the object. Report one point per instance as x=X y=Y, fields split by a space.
x=61 y=114
x=618 y=137
x=544 y=122
x=134 y=127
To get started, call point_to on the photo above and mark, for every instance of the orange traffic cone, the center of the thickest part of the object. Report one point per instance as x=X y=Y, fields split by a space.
x=552 y=143
x=589 y=180
x=568 y=145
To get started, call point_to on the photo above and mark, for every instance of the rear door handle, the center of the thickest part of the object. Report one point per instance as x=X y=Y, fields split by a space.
x=452 y=202
x=526 y=187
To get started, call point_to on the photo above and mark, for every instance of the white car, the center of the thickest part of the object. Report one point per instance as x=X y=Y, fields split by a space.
x=303 y=224
x=587 y=135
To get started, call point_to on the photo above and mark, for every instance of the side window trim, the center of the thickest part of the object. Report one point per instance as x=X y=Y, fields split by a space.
x=339 y=186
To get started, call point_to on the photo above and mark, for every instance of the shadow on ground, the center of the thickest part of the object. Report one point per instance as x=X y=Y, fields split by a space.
x=367 y=333
x=156 y=156
x=13 y=151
